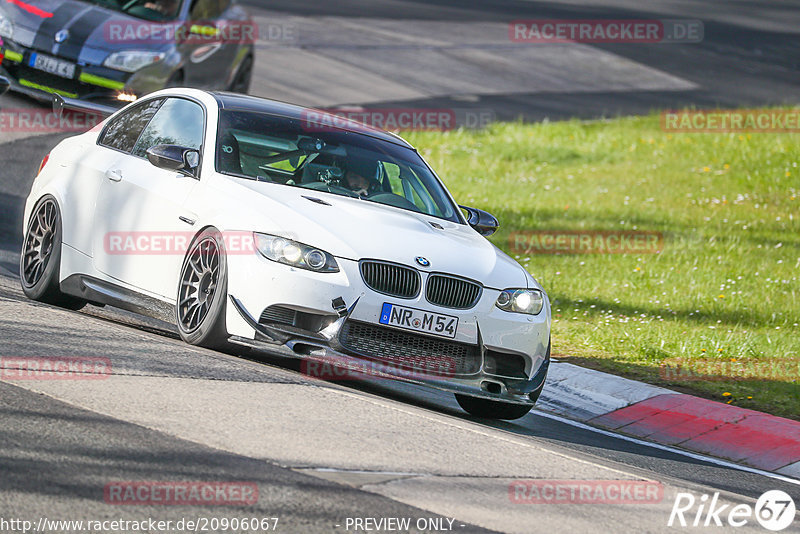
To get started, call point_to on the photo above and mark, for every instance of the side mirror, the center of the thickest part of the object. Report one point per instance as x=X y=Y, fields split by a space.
x=197 y=32
x=206 y=30
x=482 y=221
x=174 y=158
x=4 y=85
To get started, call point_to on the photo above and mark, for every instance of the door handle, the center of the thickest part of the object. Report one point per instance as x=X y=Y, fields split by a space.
x=114 y=176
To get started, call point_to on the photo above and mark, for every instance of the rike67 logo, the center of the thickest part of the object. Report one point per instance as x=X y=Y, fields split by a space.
x=774 y=510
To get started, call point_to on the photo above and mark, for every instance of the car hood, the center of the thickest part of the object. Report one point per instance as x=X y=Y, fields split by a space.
x=358 y=229
x=93 y=31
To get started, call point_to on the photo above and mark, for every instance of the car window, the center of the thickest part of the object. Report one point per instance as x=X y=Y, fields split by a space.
x=391 y=173
x=155 y=10
x=177 y=122
x=293 y=153
x=208 y=9
x=122 y=132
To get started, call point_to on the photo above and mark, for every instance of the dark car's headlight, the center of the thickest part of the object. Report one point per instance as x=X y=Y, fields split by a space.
x=132 y=60
x=6 y=27
x=295 y=254
x=529 y=301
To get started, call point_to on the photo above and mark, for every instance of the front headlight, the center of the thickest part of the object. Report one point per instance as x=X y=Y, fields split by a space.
x=295 y=254
x=528 y=301
x=132 y=60
x=6 y=27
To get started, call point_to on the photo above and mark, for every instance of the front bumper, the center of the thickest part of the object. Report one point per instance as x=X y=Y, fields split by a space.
x=101 y=89
x=326 y=350
x=484 y=327
x=91 y=83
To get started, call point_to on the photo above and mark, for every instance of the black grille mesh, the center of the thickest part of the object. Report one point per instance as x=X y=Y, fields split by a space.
x=278 y=314
x=409 y=350
x=391 y=279
x=451 y=292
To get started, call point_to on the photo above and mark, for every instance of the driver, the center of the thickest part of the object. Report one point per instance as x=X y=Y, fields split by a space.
x=167 y=8
x=358 y=184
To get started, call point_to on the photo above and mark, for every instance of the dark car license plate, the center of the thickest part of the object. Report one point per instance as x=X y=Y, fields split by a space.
x=65 y=69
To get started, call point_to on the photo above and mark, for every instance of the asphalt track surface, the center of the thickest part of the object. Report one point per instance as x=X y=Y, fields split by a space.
x=749 y=56
x=172 y=412
x=321 y=452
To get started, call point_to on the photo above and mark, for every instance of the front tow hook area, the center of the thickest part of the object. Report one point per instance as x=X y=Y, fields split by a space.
x=271 y=335
x=533 y=387
x=280 y=337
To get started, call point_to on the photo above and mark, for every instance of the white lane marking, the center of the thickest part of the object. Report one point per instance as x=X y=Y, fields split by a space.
x=361 y=471
x=667 y=448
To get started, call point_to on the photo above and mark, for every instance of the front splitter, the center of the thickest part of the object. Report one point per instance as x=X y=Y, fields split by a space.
x=327 y=353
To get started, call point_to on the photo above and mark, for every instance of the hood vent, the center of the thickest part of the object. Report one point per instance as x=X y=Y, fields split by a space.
x=317 y=201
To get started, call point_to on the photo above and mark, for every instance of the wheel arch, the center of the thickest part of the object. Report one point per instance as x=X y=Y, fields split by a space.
x=33 y=201
x=58 y=178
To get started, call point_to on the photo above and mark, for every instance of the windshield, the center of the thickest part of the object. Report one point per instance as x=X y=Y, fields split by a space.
x=155 y=10
x=263 y=147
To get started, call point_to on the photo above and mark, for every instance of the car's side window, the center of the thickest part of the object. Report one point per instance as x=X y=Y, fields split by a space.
x=122 y=132
x=208 y=9
x=178 y=122
x=392 y=173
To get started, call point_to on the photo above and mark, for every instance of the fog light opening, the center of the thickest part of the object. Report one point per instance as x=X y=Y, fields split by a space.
x=492 y=387
x=304 y=349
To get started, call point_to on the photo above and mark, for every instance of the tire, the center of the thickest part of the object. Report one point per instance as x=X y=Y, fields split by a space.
x=176 y=80
x=40 y=259
x=202 y=291
x=244 y=75
x=491 y=409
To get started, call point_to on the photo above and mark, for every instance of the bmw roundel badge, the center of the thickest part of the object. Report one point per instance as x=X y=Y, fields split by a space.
x=422 y=261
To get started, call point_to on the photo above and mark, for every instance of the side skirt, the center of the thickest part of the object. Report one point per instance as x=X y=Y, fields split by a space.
x=102 y=292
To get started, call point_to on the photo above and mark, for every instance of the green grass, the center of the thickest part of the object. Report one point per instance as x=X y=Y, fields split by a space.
x=723 y=294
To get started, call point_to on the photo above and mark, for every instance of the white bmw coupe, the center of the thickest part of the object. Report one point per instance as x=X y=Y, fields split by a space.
x=249 y=222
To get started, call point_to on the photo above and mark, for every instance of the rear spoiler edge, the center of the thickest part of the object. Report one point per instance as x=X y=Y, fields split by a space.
x=62 y=103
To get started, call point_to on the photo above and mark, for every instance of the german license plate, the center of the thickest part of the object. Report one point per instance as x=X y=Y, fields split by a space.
x=65 y=69
x=419 y=320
